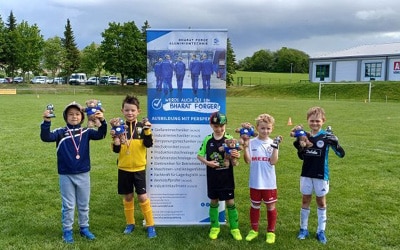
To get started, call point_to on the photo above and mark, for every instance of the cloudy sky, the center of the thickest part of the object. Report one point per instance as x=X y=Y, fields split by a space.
x=316 y=27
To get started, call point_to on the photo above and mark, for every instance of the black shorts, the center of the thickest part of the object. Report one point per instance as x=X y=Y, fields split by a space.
x=131 y=181
x=222 y=195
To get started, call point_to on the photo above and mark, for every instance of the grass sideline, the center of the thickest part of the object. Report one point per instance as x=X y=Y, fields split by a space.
x=362 y=203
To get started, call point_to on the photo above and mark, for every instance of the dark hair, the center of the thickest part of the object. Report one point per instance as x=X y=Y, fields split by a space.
x=131 y=100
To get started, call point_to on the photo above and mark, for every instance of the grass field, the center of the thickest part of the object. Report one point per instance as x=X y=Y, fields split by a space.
x=362 y=204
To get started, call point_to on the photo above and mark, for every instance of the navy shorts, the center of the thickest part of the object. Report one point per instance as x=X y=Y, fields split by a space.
x=131 y=181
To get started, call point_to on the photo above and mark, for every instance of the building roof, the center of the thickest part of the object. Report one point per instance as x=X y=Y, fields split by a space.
x=386 y=49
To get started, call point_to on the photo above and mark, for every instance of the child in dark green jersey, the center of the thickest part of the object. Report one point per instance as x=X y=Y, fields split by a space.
x=220 y=179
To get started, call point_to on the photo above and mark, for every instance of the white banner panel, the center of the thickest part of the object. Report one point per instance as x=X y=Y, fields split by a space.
x=186 y=83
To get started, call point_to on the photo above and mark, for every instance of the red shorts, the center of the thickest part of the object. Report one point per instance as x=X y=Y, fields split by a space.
x=266 y=195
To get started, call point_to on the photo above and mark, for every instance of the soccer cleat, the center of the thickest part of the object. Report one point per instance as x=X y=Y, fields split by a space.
x=129 y=228
x=151 y=232
x=321 y=237
x=236 y=234
x=67 y=236
x=303 y=233
x=252 y=235
x=84 y=232
x=270 y=238
x=214 y=231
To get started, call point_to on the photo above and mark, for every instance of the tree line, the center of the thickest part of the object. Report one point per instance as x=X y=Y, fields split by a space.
x=122 y=51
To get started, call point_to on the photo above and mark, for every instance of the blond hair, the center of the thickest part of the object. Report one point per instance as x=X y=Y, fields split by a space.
x=317 y=111
x=265 y=118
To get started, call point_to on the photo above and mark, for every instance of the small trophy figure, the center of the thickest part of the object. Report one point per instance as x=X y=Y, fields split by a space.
x=50 y=108
x=145 y=121
x=329 y=130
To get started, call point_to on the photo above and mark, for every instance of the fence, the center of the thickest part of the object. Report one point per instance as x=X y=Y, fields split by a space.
x=253 y=81
x=55 y=91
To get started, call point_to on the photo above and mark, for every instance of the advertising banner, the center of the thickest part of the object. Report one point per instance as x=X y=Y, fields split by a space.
x=186 y=72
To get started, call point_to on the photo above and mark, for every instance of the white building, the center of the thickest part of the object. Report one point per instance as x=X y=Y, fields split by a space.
x=380 y=62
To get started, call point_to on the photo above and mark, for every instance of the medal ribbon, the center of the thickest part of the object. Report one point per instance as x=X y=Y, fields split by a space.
x=128 y=142
x=73 y=140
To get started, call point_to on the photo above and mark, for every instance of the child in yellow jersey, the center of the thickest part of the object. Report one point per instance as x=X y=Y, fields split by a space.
x=132 y=165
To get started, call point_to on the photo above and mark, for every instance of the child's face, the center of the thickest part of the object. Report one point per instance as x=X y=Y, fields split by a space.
x=315 y=123
x=74 y=116
x=218 y=130
x=264 y=130
x=130 y=112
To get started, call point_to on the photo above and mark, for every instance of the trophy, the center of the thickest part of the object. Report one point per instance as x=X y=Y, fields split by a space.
x=50 y=108
x=144 y=121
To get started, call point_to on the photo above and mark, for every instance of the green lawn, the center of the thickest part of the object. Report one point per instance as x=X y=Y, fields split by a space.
x=362 y=204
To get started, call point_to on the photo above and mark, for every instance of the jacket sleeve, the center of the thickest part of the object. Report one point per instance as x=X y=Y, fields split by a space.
x=339 y=151
x=296 y=144
x=147 y=138
x=101 y=132
x=45 y=134
x=116 y=148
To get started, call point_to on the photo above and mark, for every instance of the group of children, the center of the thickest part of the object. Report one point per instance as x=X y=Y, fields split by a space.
x=260 y=152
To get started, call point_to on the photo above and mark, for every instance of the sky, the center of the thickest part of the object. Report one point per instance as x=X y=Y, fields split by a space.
x=316 y=27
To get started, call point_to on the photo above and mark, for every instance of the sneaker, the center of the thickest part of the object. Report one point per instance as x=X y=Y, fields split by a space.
x=214 y=231
x=151 y=232
x=270 y=238
x=321 y=237
x=252 y=235
x=236 y=234
x=303 y=233
x=67 y=236
x=84 y=231
x=129 y=228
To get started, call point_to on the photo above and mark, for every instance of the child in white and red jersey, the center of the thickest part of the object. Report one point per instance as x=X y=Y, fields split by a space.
x=261 y=153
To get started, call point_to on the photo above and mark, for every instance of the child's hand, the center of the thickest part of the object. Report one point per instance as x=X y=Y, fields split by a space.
x=46 y=114
x=146 y=123
x=235 y=153
x=277 y=140
x=99 y=115
x=332 y=140
x=213 y=164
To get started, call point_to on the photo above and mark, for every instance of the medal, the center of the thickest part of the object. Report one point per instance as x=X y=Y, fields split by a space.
x=128 y=152
x=76 y=146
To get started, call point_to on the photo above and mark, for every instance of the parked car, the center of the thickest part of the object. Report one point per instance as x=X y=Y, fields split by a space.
x=39 y=79
x=104 y=80
x=113 y=80
x=142 y=82
x=3 y=80
x=49 y=80
x=58 y=80
x=18 y=79
x=130 y=81
x=93 y=81
x=77 y=79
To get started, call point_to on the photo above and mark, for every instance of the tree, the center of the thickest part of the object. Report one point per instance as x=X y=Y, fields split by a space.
x=284 y=60
x=11 y=47
x=230 y=63
x=291 y=60
x=145 y=26
x=53 y=54
x=91 y=61
x=2 y=43
x=72 y=54
x=30 y=47
x=123 y=50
